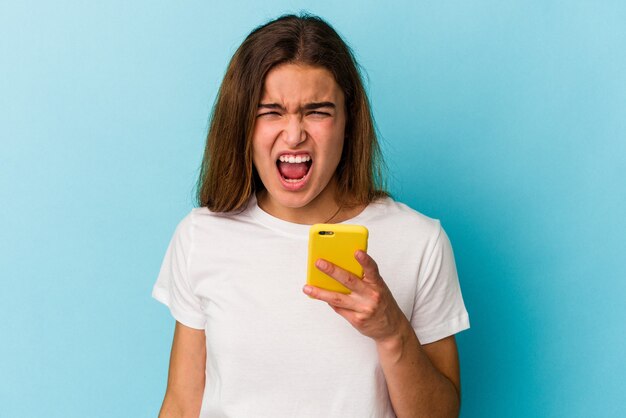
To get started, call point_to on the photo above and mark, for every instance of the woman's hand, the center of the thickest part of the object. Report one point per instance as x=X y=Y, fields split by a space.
x=370 y=308
x=422 y=380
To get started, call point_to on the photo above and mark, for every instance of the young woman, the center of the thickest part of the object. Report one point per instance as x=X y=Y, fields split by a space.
x=292 y=143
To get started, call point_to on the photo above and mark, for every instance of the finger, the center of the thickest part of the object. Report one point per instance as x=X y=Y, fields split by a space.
x=334 y=299
x=370 y=268
x=348 y=314
x=344 y=277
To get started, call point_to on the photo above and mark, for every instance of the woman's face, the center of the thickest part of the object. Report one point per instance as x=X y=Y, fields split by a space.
x=297 y=142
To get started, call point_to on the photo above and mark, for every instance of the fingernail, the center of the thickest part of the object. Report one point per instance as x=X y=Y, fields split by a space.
x=321 y=264
x=360 y=255
x=307 y=289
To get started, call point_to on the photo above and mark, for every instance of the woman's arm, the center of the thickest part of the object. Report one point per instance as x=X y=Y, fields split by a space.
x=423 y=381
x=185 y=382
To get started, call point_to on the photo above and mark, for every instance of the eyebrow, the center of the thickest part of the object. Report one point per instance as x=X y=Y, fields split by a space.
x=308 y=106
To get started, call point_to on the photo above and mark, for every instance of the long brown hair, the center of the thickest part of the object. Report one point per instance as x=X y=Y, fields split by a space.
x=227 y=175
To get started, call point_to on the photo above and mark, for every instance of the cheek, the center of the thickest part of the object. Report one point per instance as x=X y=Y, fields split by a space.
x=261 y=131
x=258 y=159
x=328 y=131
x=262 y=142
x=331 y=138
x=268 y=127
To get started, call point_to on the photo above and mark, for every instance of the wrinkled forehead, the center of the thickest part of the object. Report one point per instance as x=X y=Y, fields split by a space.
x=293 y=85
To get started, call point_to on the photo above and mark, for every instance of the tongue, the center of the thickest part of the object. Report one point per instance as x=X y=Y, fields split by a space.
x=293 y=170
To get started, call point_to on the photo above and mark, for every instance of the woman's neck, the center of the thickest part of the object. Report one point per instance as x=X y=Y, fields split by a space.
x=319 y=211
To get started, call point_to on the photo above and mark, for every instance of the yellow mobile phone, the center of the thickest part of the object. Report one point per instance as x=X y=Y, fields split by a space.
x=336 y=243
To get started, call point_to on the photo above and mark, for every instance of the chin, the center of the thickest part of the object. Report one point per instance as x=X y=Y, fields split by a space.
x=289 y=200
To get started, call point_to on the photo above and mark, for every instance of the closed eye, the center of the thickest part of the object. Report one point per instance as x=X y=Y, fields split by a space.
x=268 y=114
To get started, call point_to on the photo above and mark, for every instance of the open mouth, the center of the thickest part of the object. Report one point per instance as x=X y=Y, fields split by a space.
x=294 y=168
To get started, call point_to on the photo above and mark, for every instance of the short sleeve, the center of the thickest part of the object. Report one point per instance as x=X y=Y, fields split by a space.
x=172 y=287
x=439 y=310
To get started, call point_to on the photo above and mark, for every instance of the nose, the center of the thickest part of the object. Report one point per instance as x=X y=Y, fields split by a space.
x=294 y=133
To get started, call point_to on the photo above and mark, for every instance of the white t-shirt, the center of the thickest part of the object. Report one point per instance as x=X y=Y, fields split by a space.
x=271 y=350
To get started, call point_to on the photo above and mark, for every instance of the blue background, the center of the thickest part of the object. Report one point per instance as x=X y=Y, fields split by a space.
x=506 y=120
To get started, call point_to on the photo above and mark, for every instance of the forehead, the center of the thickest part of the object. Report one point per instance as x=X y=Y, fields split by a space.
x=296 y=83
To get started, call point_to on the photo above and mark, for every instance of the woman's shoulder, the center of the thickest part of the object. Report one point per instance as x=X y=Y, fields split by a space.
x=204 y=218
x=401 y=215
x=397 y=222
